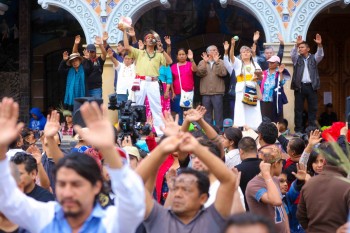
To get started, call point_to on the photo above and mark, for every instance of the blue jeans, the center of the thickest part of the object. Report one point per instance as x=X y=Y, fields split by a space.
x=175 y=107
x=96 y=93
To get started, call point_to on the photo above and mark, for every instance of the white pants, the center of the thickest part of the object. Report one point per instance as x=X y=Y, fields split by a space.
x=151 y=90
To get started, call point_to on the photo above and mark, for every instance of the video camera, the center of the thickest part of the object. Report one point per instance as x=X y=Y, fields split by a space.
x=132 y=118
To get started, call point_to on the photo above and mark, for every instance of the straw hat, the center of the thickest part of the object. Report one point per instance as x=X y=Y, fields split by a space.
x=73 y=56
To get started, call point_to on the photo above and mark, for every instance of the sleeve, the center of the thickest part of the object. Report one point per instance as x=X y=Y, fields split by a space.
x=156 y=215
x=131 y=204
x=88 y=67
x=283 y=141
x=169 y=76
x=280 y=52
x=294 y=191
x=228 y=64
x=342 y=142
x=259 y=193
x=134 y=53
x=219 y=69
x=202 y=69
x=63 y=68
x=302 y=212
x=319 y=54
x=304 y=158
x=294 y=54
x=20 y=209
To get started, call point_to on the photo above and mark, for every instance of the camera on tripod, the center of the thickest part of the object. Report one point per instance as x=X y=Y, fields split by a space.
x=132 y=118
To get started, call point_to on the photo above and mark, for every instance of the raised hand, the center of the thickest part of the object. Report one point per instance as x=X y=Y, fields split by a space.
x=110 y=52
x=233 y=41
x=256 y=36
x=216 y=57
x=189 y=143
x=344 y=130
x=170 y=177
x=105 y=36
x=281 y=68
x=280 y=38
x=315 y=137
x=205 y=56
x=35 y=151
x=65 y=55
x=141 y=45
x=77 y=39
x=86 y=54
x=121 y=27
x=264 y=168
x=52 y=125
x=299 y=39
x=301 y=172
x=167 y=40
x=10 y=129
x=318 y=39
x=226 y=45
x=193 y=115
x=171 y=126
x=100 y=131
x=171 y=143
x=190 y=54
x=238 y=175
x=160 y=46
x=127 y=141
x=98 y=40
x=131 y=32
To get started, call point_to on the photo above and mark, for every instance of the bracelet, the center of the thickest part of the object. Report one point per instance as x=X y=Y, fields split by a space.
x=268 y=180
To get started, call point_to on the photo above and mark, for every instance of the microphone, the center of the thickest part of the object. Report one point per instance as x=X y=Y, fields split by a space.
x=153 y=41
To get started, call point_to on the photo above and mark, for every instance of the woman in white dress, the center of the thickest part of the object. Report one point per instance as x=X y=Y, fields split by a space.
x=247 y=73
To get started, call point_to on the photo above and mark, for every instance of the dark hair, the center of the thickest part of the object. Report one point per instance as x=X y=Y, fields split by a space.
x=13 y=144
x=248 y=144
x=284 y=122
x=199 y=134
x=183 y=49
x=297 y=145
x=121 y=42
x=233 y=134
x=213 y=147
x=246 y=219
x=27 y=159
x=202 y=179
x=311 y=160
x=304 y=43
x=268 y=132
x=325 y=147
x=82 y=164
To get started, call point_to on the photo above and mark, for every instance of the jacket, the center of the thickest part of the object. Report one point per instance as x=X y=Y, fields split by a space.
x=212 y=82
x=39 y=123
x=324 y=201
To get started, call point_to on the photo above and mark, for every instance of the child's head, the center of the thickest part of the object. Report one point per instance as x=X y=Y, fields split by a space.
x=282 y=125
x=283 y=183
x=127 y=60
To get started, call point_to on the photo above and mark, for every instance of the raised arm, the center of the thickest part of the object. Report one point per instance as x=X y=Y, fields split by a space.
x=314 y=138
x=165 y=54
x=281 y=47
x=224 y=196
x=294 y=51
x=99 y=42
x=125 y=37
x=114 y=60
x=193 y=63
x=232 y=50
x=272 y=195
x=50 y=131
x=76 y=44
x=319 y=54
x=202 y=66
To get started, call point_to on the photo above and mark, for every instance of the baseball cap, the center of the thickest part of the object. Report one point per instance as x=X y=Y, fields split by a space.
x=227 y=123
x=91 y=47
x=274 y=58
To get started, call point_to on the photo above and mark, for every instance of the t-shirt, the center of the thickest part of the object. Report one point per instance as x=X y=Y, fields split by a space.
x=147 y=64
x=256 y=188
x=207 y=220
x=232 y=158
x=95 y=78
x=186 y=77
x=126 y=76
x=41 y=194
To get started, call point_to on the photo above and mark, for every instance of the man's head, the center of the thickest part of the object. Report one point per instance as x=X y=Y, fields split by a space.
x=78 y=182
x=212 y=50
x=329 y=108
x=149 y=39
x=247 y=148
x=134 y=156
x=120 y=47
x=197 y=164
x=268 y=133
x=272 y=154
x=191 y=191
x=28 y=169
x=303 y=48
x=91 y=48
x=269 y=52
x=295 y=148
x=231 y=137
x=248 y=223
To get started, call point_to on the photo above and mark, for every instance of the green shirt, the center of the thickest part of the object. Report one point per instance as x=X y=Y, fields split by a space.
x=147 y=65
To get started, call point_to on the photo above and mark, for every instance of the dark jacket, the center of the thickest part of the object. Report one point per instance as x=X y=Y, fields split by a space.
x=299 y=71
x=262 y=61
x=325 y=201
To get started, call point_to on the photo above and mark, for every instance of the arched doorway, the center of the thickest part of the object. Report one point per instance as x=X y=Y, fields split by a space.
x=334 y=69
x=52 y=33
x=197 y=24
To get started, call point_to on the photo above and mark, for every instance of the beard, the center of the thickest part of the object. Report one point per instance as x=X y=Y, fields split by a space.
x=72 y=213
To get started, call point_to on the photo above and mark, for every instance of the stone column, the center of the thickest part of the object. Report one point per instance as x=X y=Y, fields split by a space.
x=288 y=109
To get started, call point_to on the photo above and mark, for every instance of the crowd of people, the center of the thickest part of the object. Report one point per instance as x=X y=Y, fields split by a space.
x=195 y=171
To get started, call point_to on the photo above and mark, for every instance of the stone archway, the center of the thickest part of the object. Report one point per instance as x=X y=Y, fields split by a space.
x=264 y=11
x=80 y=10
x=305 y=13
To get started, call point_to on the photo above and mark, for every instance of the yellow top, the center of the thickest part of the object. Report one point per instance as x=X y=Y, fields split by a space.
x=147 y=64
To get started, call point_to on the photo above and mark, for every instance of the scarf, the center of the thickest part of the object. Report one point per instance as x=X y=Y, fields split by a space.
x=75 y=85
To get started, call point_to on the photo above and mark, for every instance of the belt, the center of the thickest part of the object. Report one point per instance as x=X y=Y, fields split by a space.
x=306 y=84
x=147 y=78
x=240 y=78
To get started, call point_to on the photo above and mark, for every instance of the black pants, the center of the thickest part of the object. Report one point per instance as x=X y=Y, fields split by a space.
x=213 y=102
x=308 y=93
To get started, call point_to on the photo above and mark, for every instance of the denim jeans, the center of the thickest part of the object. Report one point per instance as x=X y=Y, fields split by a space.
x=96 y=93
